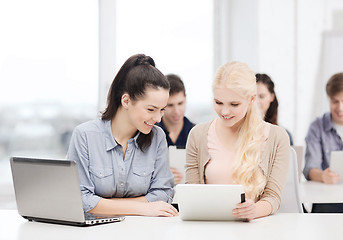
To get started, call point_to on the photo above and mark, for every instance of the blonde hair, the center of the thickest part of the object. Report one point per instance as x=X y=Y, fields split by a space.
x=238 y=77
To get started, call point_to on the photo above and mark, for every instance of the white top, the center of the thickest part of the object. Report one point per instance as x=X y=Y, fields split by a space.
x=219 y=168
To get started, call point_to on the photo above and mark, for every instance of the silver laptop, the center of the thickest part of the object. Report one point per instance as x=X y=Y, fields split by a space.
x=49 y=191
x=209 y=201
x=336 y=163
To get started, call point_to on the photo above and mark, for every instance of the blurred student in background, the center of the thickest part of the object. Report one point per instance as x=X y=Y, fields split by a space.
x=122 y=158
x=239 y=147
x=325 y=135
x=267 y=100
x=174 y=123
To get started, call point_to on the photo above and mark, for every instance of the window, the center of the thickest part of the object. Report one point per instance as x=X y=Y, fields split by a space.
x=178 y=35
x=49 y=75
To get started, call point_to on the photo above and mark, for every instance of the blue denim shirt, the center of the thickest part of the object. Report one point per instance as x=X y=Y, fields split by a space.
x=104 y=173
x=182 y=138
x=321 y=140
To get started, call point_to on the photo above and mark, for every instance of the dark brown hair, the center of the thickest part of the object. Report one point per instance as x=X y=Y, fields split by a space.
x=272 y=112
x=334 y=84
x=136 y=75
x=176 y=84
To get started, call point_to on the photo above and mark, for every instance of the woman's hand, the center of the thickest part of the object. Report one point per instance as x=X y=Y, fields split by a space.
x=245 y=210
x=330 y=177
x=177 y=175
x=159 y=209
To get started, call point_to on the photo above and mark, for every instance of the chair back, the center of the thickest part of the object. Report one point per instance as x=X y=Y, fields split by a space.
x=290 y=200
x=300 y=158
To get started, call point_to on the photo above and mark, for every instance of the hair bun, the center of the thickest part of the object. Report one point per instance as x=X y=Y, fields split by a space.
x=144 y=60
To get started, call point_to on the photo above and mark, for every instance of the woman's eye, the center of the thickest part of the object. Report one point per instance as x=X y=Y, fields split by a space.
x=234 y=104
x=219 y=103
x=150 y=109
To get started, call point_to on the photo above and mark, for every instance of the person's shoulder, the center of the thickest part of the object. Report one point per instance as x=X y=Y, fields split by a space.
x=187 y=122
x=201 y=128
x=158 y=131
x=325 y=118
x=278 y=131
x=91 y=126
x=275 y=127
x=321 y=124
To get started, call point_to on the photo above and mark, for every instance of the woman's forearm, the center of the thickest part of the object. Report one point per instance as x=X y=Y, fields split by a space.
x=263 y=208
x=120 y=206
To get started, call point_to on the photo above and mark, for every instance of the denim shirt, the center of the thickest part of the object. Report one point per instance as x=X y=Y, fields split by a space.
x=321 y=140
x=104 y=173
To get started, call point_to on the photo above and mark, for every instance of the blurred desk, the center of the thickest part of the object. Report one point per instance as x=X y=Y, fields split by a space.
x=317 y=192
x=280 y=226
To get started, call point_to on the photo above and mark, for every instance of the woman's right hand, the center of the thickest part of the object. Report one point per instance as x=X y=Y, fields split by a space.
x=159 y=209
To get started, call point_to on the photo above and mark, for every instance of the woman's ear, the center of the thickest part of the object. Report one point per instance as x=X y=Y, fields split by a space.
x=273 y=97
x=125 y=99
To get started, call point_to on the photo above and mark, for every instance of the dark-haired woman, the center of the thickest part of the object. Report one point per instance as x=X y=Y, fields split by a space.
x=122 y=157
x=267 y=100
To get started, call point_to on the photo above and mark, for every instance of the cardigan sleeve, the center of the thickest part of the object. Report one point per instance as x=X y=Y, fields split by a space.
x=278 y=169
x=192 y=157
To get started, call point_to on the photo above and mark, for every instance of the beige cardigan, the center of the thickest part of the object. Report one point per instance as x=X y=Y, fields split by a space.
x=274 y=164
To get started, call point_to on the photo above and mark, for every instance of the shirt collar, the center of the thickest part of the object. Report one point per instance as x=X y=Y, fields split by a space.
x=111 y=142
x=161 y=124
x=134 y=139
x=328 y=124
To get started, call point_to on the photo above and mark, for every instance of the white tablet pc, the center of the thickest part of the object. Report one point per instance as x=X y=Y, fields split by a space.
x=336 y=163
x=209 y=201
x=177 y=159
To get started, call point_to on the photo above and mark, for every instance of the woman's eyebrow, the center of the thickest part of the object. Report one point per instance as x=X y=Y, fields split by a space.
x=153 y=106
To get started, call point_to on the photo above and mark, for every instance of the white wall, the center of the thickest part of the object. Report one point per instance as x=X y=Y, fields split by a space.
x=313 y=22
x=285 y=39
x=107 y=39
x=277 y=51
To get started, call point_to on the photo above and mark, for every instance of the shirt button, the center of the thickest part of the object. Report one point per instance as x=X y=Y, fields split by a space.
x=121 y=184
x=144 y=173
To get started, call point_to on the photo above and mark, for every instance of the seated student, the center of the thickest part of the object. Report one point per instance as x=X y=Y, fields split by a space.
x=324 y=135
x=238 y=147
x=122 y=158
x=267 y=100
x=174 y=123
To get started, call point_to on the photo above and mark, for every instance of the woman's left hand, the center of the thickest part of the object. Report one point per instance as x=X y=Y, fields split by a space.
x=245 y=210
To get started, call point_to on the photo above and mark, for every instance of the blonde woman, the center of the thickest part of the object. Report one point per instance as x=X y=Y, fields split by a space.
x=238 y=147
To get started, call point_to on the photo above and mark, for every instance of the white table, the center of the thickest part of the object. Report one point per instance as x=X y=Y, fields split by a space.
x=281 y=226
x=317 y=192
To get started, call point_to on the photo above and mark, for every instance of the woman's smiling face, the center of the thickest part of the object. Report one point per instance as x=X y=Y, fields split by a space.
x=230 y=106
x=146 y=111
